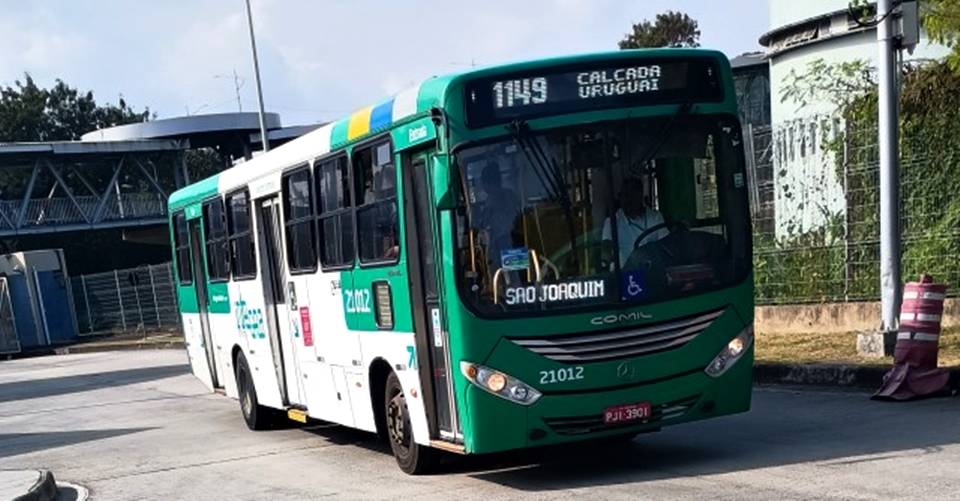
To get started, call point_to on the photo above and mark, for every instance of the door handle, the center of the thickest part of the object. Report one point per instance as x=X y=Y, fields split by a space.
x=292 y=296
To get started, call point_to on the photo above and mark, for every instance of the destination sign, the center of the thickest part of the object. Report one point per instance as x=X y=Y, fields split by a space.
x=611 y=85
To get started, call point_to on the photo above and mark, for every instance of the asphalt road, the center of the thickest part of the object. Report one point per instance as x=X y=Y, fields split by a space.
x=136 y=425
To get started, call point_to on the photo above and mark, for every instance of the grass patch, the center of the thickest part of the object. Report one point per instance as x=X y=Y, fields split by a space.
x=838 y=348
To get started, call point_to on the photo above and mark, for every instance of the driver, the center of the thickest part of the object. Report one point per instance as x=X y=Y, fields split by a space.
x=500 y=209
x=633 y=218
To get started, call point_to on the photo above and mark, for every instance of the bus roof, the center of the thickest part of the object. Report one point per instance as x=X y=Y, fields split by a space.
x=407 y=105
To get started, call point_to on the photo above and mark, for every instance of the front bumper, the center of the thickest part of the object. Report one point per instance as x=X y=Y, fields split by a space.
x=562 y=417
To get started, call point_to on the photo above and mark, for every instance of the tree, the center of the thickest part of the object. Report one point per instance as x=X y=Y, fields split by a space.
x=61 y=113
x=670 y=29
x=941 y=21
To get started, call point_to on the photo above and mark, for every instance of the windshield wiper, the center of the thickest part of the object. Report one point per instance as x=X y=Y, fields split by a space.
x=683 y=109
x=548 y=172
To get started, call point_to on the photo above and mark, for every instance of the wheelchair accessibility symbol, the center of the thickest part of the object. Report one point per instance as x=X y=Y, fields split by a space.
x=633 y=284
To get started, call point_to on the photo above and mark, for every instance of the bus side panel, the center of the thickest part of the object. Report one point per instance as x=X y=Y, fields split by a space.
x=251 y=325
x=224 y=331
x=334 y=346
x=393 y=343
x=397 y=349
x=193 y=338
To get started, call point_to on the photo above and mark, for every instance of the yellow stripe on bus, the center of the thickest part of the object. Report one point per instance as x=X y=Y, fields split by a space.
x=359 y=123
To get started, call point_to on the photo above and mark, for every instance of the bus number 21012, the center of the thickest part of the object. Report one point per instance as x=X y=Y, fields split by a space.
x=561 y=375
x=358 y=300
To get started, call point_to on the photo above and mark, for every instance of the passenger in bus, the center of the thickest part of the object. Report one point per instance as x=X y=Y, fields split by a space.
x=633 y=219
x=500 y=209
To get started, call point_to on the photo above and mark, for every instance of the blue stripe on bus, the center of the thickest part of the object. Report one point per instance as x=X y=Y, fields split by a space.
x=382 y=115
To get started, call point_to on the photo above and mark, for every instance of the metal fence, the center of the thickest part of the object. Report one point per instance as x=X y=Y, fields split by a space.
x=130 y=300
x=815 y=205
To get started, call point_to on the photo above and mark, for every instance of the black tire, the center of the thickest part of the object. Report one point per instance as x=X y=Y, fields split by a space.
x=255 y=415
x=413 y=458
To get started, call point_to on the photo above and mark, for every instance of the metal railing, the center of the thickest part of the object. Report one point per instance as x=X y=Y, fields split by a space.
x=88 y=210
x=129 y=300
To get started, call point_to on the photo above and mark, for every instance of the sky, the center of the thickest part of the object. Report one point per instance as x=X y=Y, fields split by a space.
x=319 y=59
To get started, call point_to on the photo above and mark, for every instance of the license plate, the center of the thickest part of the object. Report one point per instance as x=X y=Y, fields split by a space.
x=626 y=413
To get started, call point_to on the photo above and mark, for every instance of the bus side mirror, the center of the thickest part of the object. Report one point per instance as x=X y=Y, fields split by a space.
x=444 y=185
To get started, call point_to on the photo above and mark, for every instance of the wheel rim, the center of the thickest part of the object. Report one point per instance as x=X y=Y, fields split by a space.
x=397 y=422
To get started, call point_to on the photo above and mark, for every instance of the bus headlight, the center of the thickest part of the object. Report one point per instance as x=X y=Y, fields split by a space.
x=731 y=353
x=499 y=384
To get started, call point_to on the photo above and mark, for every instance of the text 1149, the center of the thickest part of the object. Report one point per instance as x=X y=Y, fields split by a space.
x=520 y=92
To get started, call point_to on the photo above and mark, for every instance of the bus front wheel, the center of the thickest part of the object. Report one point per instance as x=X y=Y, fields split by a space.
x=413 y=458
x=255 y=415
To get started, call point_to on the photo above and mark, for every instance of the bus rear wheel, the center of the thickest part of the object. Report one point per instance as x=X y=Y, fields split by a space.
x=255 y=415
x=413 y=458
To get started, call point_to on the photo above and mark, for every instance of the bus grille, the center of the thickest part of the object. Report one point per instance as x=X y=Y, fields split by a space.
x=579 y=425
x=600 y=346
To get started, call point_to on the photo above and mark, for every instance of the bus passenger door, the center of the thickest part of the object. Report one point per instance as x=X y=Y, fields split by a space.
x=198 y=265
x=275 y=279
x=432 y=342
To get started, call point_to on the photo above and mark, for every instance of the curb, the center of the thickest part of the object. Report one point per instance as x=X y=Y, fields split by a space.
x=97 y=348
x=834 y=375
x=45 y=489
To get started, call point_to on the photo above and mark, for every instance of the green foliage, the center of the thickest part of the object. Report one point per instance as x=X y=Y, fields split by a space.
x=841 y=260
x=670 y=29
x=204 y=162
x=837 y=83
x=941 y=21
x=61 y=113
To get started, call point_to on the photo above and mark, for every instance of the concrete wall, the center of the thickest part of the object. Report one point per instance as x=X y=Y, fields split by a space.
x=833 y=317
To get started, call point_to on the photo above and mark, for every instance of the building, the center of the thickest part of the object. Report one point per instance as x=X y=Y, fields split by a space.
x=808 y=190
x=751 y=78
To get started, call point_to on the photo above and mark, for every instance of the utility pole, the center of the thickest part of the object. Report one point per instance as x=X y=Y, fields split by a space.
x=236 y=88
x=256 y=73
x=237 y=84
x=890 y=280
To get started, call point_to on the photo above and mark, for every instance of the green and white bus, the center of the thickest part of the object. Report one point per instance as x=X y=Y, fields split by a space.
x=523 y=255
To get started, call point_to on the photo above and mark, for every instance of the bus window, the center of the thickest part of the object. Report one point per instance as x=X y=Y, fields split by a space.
x=335 y=216
x=181 y=243
x=633 y=210
x=298 y=220
x=214 y=228
x=376 y=187
x=242 y=256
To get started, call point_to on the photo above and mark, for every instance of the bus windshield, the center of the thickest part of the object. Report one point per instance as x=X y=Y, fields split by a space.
x=626 y=212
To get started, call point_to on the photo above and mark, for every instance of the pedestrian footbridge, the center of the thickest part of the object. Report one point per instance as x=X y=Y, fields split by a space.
x=68 y=186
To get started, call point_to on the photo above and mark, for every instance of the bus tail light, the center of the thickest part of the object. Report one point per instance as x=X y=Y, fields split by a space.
x=731 y=353
x=499 y=384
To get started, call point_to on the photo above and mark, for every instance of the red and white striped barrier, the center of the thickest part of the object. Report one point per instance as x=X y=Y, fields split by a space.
x=915 y=372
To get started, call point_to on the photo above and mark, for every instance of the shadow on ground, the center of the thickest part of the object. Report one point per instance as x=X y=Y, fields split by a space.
x=784 y=428
x=14 y=444
x=39 y=388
